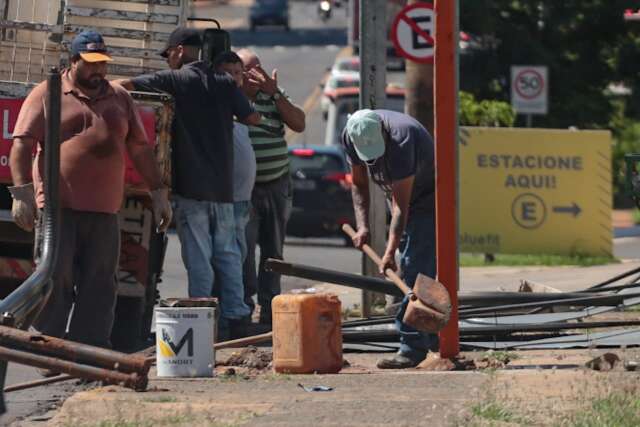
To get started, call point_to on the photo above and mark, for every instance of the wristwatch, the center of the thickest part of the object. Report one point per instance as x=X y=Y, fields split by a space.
x=277 y=96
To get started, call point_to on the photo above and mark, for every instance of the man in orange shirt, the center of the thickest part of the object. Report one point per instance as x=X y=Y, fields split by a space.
x=99 y=124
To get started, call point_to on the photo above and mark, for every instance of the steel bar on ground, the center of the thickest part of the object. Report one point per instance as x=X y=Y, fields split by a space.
x=368 y=322
x=485 y=299
x=550 y=327
x=38 y=383
x=610 y=288
x=335 y=277
x=606 y=300
x=73 y=351
x=133 y=380
x=240 y=342
x=384 y=286
x=616 y=278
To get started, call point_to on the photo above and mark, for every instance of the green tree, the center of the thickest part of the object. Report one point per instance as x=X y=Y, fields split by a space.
x=586 y=44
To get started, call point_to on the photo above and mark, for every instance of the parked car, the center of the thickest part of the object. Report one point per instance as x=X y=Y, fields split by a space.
x=321 y=181
x=349 y=64
x=269 y=12
x=345 y=102
x=334 y=82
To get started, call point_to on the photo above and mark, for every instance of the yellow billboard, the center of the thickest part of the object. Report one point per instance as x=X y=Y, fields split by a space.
x=535 y=191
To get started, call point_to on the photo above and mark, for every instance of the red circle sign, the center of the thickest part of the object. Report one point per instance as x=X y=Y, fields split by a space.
x=529 y=84
x=411 y=32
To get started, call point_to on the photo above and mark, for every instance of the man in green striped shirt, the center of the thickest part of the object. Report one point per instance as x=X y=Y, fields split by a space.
x=271 y=198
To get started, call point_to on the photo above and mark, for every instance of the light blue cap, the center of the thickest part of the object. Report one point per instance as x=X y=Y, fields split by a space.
x=364 y=128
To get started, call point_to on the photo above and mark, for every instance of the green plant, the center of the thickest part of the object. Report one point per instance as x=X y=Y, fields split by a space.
x=619 y=410
x=478 y=260
x=503 y=357
x=626 y=140
x=493 y=411
x=485 y=112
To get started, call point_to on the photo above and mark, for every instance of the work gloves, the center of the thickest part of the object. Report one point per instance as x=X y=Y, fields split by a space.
x=162 y=212
x=23 y=208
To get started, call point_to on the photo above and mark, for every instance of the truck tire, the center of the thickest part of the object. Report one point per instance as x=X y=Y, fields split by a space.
x=125 y=335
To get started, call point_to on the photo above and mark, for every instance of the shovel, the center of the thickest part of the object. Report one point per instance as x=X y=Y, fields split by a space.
x=429 y=306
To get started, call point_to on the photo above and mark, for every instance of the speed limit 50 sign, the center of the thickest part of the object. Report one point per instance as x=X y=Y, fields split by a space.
x=529 y=89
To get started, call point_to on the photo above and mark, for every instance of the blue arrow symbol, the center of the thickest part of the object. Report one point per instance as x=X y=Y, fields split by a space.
x=574 y=209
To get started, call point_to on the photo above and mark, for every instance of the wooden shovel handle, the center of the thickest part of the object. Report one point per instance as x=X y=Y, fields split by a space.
x=391 y=275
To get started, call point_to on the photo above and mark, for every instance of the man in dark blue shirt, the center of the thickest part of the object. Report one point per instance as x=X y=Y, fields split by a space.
x=397 y=152
x=202 y=171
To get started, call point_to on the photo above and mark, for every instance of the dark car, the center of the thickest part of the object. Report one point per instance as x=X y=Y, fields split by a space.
x=321 y=180
x=269 y=12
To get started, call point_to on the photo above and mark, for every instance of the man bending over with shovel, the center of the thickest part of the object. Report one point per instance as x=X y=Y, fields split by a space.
x=397 y=152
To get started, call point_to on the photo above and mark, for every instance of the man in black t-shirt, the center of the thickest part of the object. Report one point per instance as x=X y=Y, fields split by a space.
x=202 y=168
x=397 y=152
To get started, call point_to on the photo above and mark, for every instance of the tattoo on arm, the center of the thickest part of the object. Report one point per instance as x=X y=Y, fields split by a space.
x=360 y=205
x=397 y=222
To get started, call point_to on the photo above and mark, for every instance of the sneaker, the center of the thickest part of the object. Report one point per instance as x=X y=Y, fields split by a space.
x=398 y=361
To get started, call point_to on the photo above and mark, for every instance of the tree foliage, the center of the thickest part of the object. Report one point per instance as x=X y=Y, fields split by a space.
x=586 y=44
x=485 y=112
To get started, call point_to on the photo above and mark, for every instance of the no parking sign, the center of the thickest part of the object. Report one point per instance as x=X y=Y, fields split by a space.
x=412 y=32
x=529 y=89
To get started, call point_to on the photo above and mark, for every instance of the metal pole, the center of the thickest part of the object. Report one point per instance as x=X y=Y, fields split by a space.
x=368 y=284
x=446 y=153
x=133 y=380
x=529 y=118
x=373 y=59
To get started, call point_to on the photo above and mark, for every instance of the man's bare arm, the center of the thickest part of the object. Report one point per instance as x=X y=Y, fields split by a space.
x=292 y=115
x=360 y=197
x=20 y=160
x=401 y=198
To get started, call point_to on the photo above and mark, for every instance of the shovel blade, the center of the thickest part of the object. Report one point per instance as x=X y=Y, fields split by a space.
x=431 y=311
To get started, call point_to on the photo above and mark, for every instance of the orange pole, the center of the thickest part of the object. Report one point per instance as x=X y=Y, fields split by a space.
x=446 y=120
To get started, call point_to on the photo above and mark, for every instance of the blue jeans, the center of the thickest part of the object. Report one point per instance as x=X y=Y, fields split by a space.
x=211 y=255
x=241 y=212
x=417 y=255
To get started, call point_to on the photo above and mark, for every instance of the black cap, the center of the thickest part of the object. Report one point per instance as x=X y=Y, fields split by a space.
x=182 y=36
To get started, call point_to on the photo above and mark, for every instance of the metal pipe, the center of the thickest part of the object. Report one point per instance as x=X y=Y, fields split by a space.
x=544 y=327
x=31 y=295
x=73 y=351
x=380 y=285
x=335 y=277
x=616 y=278
x=611 y=288
x=607 y=300
x=38 y=383
x=133 y=380
x=484 y=299
x=24 y=303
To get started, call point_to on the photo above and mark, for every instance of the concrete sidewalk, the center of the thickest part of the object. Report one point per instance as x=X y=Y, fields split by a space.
x=543 y=387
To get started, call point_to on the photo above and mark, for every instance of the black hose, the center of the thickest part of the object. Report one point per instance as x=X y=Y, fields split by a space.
x=23 y=304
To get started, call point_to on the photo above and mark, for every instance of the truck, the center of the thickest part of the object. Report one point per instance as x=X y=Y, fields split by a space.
x=34 y=36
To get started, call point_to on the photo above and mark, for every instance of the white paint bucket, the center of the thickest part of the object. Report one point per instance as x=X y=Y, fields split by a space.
x=184 y=341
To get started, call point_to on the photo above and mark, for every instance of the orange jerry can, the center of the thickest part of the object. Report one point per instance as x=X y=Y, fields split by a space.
x=307 y=334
